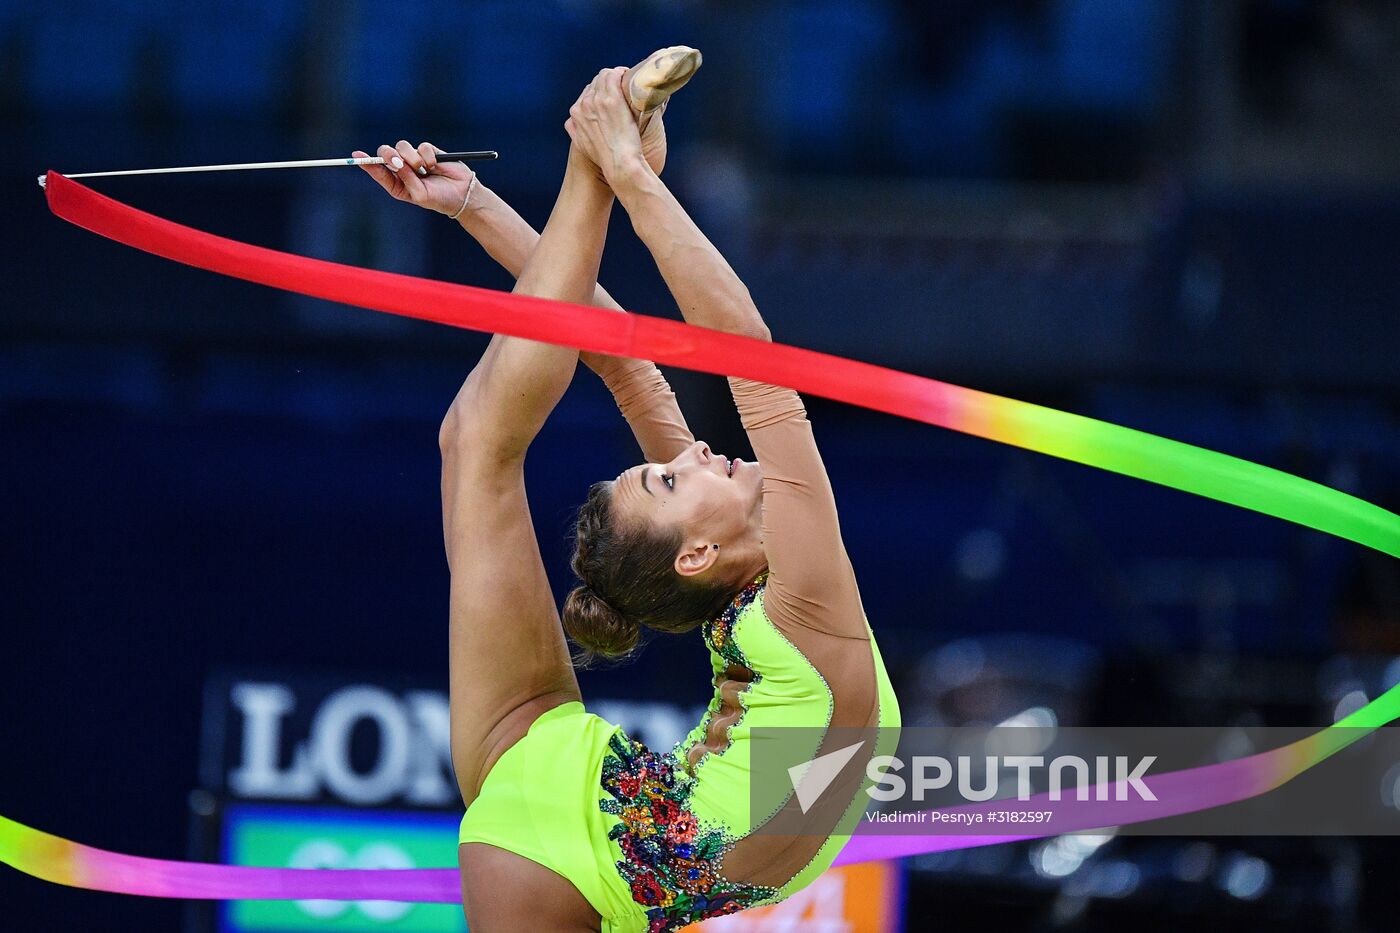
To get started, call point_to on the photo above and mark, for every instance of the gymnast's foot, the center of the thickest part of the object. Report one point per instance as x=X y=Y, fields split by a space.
x=648 y=85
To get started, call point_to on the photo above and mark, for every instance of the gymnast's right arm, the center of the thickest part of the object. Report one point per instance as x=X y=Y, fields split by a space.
x=637 y=386
x=812 y=585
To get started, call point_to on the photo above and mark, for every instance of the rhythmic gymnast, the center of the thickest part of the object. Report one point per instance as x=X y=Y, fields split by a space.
x=570 y=824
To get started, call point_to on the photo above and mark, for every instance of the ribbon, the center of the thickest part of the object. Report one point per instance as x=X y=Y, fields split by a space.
x=1191 y=790
x=1071 y=437
x=1033 y=427
x=61 y=861
x=1188 y=791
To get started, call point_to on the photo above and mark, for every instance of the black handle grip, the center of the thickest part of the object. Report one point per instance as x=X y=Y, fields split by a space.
x=482 y=155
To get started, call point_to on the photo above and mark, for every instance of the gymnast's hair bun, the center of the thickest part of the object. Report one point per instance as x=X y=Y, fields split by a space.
x=597 y=628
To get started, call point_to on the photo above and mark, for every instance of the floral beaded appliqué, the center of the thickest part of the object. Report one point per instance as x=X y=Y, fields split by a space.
x=671 y=864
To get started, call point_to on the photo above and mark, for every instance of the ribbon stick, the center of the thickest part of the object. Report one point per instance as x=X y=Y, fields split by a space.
x=478 y=155
x=1071 y=437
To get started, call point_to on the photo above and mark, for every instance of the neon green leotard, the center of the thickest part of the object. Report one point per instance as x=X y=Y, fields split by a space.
x=655 y=841
x=642 y=835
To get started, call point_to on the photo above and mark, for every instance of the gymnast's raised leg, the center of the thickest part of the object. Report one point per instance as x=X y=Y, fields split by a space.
x=508 y=658
x=509 y=661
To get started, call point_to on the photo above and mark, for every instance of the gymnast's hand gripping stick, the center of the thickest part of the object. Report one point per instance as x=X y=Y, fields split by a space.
x=475 y=156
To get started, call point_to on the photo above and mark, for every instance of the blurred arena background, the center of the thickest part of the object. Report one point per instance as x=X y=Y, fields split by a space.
x=224 y=596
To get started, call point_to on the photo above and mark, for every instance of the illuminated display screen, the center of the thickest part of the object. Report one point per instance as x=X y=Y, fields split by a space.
x=336 y=837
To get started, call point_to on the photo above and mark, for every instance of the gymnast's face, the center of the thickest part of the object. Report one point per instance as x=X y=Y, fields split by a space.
x=712 y=499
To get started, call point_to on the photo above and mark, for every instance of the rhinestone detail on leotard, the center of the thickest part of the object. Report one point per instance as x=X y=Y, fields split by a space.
x=719 y=632
x=670 y=862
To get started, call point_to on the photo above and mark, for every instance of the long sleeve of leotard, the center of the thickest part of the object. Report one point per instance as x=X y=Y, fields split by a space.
x=645 y=399
x=811 y=583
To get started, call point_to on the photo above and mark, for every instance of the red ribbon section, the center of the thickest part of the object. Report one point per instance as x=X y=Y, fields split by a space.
x=594 y=329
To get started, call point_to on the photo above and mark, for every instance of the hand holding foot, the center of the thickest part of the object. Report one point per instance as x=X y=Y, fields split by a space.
x=603 y=127
x=647 y=87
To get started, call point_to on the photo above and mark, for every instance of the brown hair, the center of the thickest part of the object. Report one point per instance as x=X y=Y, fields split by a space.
x=629 y=580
